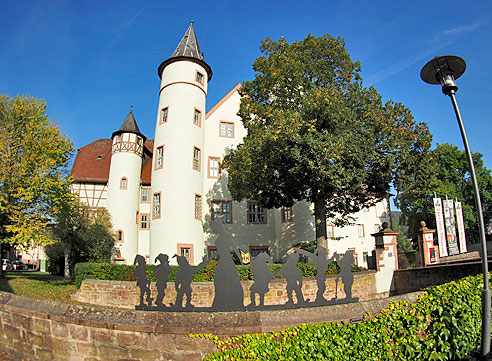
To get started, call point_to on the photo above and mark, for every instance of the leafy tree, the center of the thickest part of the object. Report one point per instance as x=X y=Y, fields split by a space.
x=316 y=134
x=84 y=235
x=33 y=159
x=447 y=175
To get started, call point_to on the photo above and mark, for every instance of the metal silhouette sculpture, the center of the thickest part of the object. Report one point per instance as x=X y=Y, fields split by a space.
x=321 y=263
x=229 y=294
x=142 y=281
x=262 y=277
x=346 y=275
x=162 y=273
x=183 y=279
x=293 y=276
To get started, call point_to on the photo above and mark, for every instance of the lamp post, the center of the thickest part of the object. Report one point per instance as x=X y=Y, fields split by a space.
x=444 y=69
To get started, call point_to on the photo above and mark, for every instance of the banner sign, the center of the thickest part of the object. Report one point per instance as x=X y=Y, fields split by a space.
x=450 y=227
x=461 y=227
x=432 y=255
x=441 y=233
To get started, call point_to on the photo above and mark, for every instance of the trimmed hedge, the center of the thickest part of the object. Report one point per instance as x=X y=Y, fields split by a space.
x=444 y=324
x=120 y=272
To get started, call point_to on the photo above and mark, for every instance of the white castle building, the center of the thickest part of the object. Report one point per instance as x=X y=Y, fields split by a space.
x=163 y=194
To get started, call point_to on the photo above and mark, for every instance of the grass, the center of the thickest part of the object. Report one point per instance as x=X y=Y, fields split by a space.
x=38 y=285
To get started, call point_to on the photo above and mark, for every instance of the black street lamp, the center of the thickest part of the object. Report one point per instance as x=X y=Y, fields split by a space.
x=444 y=69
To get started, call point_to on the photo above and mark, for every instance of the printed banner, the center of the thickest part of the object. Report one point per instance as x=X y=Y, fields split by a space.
x=448 y=206
x=441 y=233
x=461 y=227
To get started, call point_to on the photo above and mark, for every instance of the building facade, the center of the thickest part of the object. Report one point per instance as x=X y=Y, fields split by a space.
x=165 y=194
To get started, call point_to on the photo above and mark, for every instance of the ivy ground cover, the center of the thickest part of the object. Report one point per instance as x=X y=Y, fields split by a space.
x=444 y=324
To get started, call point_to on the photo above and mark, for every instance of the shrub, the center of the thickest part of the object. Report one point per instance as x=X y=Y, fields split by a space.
x=444 y=324
x=120 y=272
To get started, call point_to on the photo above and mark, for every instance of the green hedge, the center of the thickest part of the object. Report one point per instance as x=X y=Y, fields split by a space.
x=119 y=272
x=444 y=324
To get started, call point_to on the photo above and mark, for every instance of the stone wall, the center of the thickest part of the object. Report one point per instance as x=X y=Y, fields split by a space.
x=416 y=279
x=123 y=294
x=32 y=329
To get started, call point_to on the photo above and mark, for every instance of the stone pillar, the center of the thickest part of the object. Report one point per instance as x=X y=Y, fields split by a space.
x=428 y=253
x=386 y=258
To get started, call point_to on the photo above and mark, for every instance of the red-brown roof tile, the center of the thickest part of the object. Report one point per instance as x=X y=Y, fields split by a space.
x=93 y=161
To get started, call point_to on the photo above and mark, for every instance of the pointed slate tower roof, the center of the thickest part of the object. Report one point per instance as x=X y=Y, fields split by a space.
x=129 y=126
x=187 y=49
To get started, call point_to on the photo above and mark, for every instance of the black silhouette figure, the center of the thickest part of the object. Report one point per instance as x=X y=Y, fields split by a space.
x=229 y=294
x=262 y=277
x=345 y=273
x=142 y=281
x=294 y=279
x=183 y=279
x=162 y=273
x=321 y=263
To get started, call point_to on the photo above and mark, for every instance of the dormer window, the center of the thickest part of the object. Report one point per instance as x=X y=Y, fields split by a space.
x=199 y=77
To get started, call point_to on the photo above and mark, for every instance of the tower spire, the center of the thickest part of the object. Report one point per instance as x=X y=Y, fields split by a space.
x=188 y=46
x=187 y=49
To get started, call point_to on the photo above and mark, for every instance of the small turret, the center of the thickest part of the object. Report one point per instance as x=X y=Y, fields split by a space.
x=124 y=186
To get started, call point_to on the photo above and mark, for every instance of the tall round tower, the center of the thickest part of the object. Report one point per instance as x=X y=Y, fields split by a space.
x=124 y=187
x=177 y=173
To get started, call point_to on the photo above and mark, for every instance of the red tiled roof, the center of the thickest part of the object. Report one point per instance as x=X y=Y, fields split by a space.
x=93 y=161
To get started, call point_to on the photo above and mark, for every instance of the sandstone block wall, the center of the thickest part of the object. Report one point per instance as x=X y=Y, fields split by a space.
x=32 y=329
x=123 y=294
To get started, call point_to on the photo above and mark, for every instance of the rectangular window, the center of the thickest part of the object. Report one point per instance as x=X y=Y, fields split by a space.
x=330 y=231
x=156 y=209
x=123 y=183
x=197 y=118
x=213 y=167
x=211 y=252
x=144 y=221
x=222 y=210
x=186 y=250
x=256 y=214
x=256 y=250
x=360 y=230
x=164 y=114
x=144 y=196
x=287 y=215
x=377 y=228
x=227 y=129
x=198 y=206
x=159 y=160
x=196 y=158
x=199 y=77
x=120 y=236
x=365 y=256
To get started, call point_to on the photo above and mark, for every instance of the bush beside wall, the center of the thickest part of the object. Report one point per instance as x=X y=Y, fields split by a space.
x=119 y=272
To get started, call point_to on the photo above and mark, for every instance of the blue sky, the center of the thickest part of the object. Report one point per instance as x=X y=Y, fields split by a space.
x=91 y=60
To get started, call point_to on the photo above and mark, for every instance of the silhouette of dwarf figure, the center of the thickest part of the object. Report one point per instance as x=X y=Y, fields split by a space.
x=294 y=278
x=162 y=273
x=142 y=280
x=183 y=279
x=321 y=263
x=228 y=292
x=345 y=273
x=262 y=277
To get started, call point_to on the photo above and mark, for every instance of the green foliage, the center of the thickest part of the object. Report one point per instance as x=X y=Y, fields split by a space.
x=316 y=134
x=121 y=272
x=33 y=182
x=446 y=174
x=56 y=258
x=84 y=234
x=444 y=324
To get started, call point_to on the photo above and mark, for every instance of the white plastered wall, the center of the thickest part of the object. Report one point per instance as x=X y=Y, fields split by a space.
x=177 y=181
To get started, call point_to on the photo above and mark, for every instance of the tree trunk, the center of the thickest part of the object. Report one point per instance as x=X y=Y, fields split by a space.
x=320 y=224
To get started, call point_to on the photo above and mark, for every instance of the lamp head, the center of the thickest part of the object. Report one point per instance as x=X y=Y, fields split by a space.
x=444 y=70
